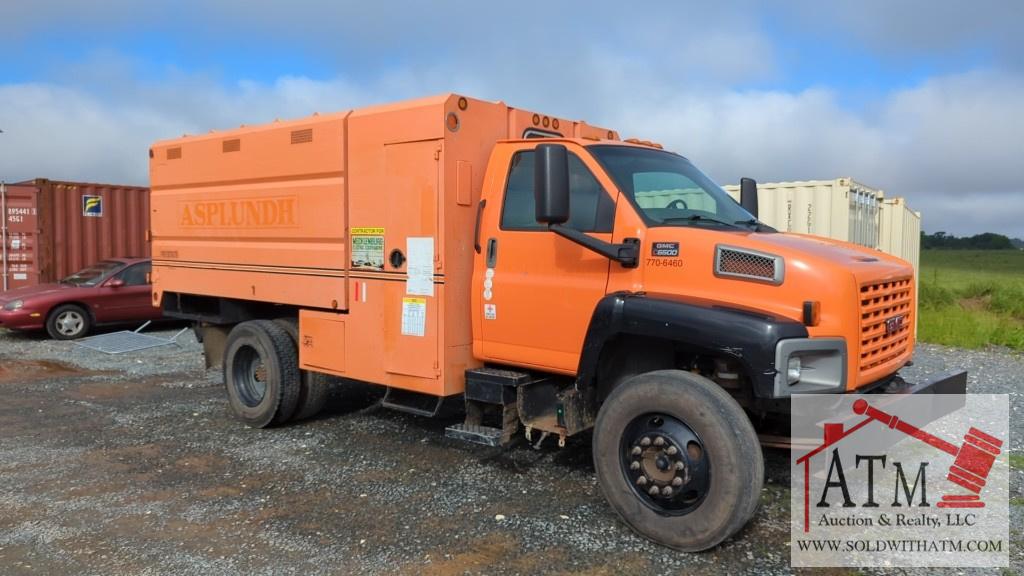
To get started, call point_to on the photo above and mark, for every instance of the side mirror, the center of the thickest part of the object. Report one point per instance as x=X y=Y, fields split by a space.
x=748 y=195
x=115 y=283
x=551 y=183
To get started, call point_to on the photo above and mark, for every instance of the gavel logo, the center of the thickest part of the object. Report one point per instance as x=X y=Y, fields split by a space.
x=973 y=459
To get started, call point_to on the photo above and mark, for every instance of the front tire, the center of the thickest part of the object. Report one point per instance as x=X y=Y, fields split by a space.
x=678 y=459
x=68 y=322
x=261 y=373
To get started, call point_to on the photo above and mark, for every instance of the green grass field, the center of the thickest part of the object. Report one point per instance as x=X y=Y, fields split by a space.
x=972 y=298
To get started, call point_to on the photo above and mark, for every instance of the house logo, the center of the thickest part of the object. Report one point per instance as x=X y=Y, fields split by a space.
x=911 y=480
x=92 y=206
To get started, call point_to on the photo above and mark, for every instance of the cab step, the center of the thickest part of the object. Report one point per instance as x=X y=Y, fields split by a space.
x=477 y=434
x=494 y=385
x=491 y=395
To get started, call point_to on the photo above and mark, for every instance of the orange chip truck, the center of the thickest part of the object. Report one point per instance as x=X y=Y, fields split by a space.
x=542 y=274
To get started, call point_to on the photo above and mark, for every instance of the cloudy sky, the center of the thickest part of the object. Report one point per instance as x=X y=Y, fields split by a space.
x=924 y=99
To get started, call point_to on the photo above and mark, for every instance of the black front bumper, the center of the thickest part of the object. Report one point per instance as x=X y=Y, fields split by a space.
x=951 y=382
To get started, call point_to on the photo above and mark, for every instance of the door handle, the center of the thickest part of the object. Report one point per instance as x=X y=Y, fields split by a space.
x=476 y=229
x=492 y=252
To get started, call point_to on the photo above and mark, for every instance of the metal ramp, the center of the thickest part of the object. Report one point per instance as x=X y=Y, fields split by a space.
x=127 y=341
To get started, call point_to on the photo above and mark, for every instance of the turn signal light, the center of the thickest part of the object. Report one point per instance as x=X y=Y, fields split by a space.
x=812 y=312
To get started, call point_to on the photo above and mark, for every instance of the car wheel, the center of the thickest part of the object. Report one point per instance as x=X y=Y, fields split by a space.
x=678 y=459
x=68 y=322
x=261 y=373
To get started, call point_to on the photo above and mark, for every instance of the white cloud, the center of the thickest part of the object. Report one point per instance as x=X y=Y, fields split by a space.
x=950 y=145
x=667 y=73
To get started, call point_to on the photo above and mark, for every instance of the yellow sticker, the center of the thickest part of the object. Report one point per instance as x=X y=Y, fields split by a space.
x=414 y=316
x=366 y=231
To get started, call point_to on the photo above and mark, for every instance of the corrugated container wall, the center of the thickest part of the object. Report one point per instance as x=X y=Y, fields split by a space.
x=842 y=209
x=51 y=229
x=900 y=231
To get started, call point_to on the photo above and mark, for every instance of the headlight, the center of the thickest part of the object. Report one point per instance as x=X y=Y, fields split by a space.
x=14 y=305
x=793 y=370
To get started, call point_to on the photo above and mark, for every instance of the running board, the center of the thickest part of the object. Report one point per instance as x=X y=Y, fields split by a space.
x=412 y=402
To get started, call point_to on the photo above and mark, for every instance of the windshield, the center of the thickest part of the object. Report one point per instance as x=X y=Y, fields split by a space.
x=92 y=275
x=668 y=189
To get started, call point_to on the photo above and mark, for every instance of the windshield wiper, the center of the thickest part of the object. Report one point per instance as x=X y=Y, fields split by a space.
x=697 y=218
x=757 y=225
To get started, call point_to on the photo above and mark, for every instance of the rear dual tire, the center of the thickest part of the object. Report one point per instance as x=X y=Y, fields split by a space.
x=261 y=373
x=697 y=453
x=313 y=386
x=264 y=383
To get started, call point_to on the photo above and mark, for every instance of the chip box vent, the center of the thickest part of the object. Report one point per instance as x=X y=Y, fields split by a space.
x=174 y=153
x=233 y=145
x=748 y=264
x=302 y=136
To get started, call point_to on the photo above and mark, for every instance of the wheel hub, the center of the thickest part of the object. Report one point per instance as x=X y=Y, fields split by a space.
x=665 y=463
x=251 y=376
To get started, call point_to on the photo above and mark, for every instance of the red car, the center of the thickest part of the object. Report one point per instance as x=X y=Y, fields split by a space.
x=110 y=291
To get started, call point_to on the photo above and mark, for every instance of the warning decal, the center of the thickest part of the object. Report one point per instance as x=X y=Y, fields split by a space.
x=414 y=316
x=368 y=248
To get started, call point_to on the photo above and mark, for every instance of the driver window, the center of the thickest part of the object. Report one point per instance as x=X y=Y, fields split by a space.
x=590 y=207
x=671 y=191
x=136 y=275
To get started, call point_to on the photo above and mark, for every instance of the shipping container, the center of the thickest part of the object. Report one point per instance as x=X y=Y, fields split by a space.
x=899 y=234
x=842 y=209
x=52 y=229
x=899 y=231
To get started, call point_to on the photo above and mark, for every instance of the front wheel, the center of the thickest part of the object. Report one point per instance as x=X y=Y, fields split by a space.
x=68 y=322
x=678 y=459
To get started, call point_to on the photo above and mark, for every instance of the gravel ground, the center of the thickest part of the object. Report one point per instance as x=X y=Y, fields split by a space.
x=131 y=465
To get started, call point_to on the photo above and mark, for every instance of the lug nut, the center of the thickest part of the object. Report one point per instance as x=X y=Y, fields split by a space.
x=672 y=451
x=680 y=465
x=634 y=466
x=666 y=491
x=645 y=441
x=659 y=441
x=636 y=451
x=653 y=491
x=641 y=481
x=677 y=481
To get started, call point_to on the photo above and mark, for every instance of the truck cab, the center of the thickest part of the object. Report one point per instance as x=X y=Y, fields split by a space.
x=643 y=228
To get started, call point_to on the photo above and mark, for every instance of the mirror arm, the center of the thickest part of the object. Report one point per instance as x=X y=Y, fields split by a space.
x=627 y=253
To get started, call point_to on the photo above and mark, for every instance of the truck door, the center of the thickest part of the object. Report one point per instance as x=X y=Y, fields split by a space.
x=538 y=290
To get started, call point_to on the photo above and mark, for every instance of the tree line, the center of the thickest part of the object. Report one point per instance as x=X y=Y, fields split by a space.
x=985 y=241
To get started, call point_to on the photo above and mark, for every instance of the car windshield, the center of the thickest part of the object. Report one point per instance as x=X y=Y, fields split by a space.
x=92 y=275
x=669 y=190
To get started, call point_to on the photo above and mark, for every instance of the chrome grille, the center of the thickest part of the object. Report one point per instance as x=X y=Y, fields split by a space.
x=884 y=338
x=748 y=264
